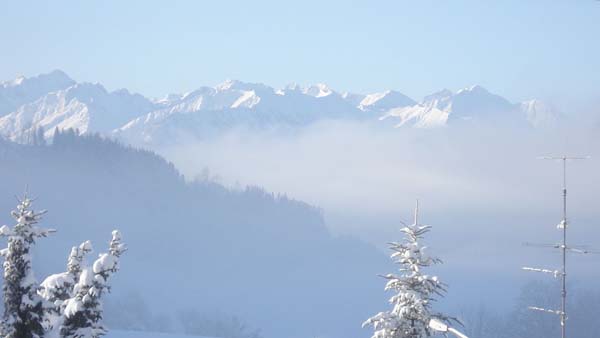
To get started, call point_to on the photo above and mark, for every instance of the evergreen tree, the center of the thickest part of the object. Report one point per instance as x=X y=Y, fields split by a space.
x=57 y=288
x=414 y=291
x=39 y=139
x=23 y=307
x=32 y=137
x=83 y=312
x=56 y=135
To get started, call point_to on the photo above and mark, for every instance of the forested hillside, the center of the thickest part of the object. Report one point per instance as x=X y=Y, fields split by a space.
x=195 y=249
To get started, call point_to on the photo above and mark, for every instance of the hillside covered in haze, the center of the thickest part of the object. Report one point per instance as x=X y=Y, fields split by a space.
x=193 y=247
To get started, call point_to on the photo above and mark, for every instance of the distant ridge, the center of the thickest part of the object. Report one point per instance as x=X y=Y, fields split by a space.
x=54 y=100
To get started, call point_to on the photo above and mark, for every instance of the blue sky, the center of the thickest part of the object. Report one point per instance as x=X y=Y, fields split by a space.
x=519 y=49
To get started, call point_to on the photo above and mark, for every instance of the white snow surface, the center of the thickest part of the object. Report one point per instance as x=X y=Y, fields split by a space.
x=145 y=334
x=421 y=116
x=105 y=262
x=53 y=282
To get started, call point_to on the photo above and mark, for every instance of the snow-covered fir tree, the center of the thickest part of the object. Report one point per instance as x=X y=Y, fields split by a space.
x=58 y=288
x=83 y=312
x=66 y=304
x=414 y=290
x=23 y=307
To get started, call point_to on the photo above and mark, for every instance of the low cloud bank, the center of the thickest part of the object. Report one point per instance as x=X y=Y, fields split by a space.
x=483 y=188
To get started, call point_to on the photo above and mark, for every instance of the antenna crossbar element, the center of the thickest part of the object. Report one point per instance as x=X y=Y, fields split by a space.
x=582 y=249
x=554 y=312
x=565 y=158
x=556 y=273
x=542 y=245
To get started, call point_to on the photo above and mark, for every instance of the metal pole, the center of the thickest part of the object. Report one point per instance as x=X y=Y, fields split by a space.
x=563 y=273
x=563 y=314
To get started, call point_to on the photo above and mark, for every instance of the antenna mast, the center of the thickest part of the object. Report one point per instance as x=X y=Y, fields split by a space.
x=562 y=313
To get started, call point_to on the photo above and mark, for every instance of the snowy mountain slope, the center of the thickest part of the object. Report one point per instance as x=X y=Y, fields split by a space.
x=23 y=90
x=236 y=94
x=86 y=107
x=54 y=100
x=474 y=104
x=353 y=98
x=240 y=103
x=236 y=103
x=426 y=115
x=382 y=102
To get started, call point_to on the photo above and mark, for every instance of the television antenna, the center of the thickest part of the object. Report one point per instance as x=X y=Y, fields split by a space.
x=562 y=273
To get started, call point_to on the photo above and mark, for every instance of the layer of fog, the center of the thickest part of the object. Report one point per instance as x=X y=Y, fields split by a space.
x=483 y=188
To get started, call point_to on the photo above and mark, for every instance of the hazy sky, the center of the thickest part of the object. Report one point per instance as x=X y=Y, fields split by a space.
x=520 y=49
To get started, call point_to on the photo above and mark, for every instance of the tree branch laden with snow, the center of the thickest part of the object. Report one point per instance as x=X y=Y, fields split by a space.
x=66 y=304
x=58 y=288
x=414 y=290
x=83 y=312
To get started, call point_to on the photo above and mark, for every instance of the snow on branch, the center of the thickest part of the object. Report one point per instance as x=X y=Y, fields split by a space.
x=414 y=291
x=66 y=304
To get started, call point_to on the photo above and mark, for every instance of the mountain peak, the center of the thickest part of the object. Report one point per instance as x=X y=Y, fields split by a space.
x=318 y=90
x=292 y=86
x=473 y=89
x=241 y=85
x=57 y=73
x=23 y=90
x=385 y=100
x=56 y=78
x=226 y=85
x=444 y=93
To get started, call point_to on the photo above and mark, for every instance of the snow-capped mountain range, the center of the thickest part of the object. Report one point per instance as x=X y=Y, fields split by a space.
x=54 y=100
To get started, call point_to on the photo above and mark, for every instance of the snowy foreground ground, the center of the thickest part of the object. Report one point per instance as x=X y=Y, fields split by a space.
x=143 y=334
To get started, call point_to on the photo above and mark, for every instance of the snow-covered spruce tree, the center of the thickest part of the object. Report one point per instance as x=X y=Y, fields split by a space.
x=414 y=291
x=83 y=312
x=23 y=307
x=57 y=288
